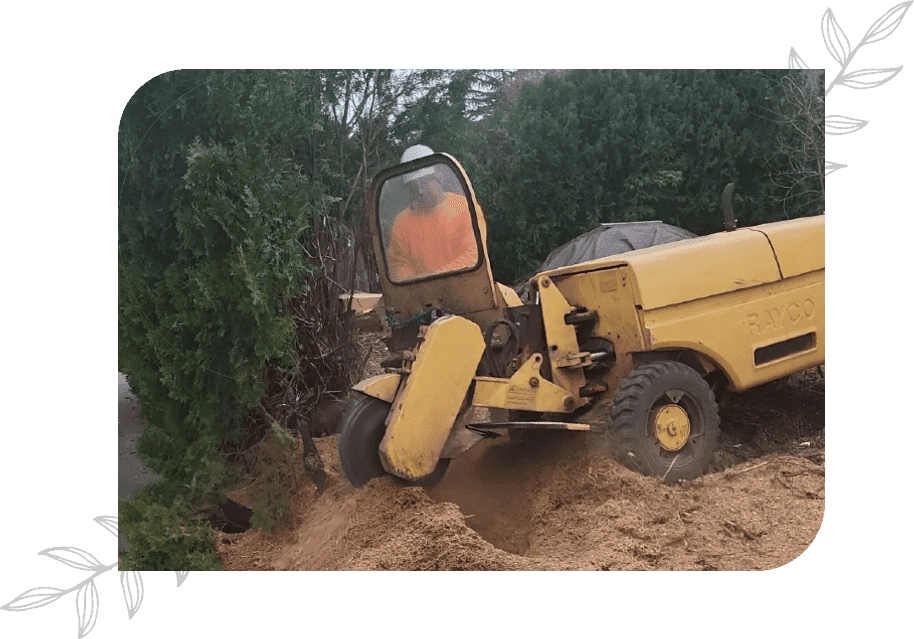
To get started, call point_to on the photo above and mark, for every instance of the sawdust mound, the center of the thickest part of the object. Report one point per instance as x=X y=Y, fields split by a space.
x=567 y=505
x=557 y=501
x=383 y=526
x=550 y=505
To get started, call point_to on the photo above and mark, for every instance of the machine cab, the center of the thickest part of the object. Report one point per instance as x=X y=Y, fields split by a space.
x=430 y=243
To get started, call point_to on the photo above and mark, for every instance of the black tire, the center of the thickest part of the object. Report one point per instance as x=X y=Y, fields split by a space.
x=647 y=393
x=361 y=431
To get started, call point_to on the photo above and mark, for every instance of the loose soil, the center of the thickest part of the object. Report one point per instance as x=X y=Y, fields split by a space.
x=559 y=503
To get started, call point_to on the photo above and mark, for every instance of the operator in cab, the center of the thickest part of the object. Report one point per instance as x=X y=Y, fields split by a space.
x=434 y=234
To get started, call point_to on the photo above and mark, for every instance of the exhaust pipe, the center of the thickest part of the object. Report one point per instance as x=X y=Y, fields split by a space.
x=727 y=204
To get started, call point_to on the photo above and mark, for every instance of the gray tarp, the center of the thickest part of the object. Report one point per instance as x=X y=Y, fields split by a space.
x=612 y=239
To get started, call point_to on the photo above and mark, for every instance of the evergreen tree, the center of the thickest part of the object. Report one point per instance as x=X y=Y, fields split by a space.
x=575 y=148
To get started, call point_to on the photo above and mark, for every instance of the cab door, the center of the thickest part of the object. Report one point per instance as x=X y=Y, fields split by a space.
x=430 y=266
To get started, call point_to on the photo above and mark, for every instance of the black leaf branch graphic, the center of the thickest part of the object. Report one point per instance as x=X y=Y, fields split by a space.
x=87 y=598
x=839 y=48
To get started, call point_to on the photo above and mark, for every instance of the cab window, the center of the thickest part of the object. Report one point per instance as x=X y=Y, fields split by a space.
x=426 y=225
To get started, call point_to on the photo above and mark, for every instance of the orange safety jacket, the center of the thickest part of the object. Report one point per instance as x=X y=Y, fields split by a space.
x=422 y=243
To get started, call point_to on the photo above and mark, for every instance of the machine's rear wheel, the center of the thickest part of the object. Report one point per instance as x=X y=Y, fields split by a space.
x=665 y=421
x=361 y=431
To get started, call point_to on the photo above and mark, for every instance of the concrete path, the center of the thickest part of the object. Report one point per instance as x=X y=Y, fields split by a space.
x=131 y=474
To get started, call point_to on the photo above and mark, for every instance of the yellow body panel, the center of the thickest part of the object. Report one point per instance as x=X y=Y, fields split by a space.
x=383 y=387
x=429 y=401
x=561 y=340
x=691 y=269
x=722 y=297
x=799 y=244
x=716 y=264
x=509 y=295
x=609 y=293
x=730 y=331
x=702 y=267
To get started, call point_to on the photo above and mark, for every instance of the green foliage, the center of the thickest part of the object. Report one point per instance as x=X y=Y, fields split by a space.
x=203 y=329
x=164 y=534
x=648 y=190
x=276 y=477
x=205 y=257
x=231 y=185
x=152 y=137
x=580 y=147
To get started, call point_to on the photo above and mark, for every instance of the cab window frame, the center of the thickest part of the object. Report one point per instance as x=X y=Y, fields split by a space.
x=383 y=229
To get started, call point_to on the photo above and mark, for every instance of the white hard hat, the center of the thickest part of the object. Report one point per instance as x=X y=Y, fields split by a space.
x=414 y=153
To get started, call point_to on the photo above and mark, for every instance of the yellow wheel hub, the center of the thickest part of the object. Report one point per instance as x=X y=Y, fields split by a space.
x=671 y=427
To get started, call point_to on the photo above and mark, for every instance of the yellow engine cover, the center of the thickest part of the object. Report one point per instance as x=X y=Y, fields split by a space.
x=427 y=404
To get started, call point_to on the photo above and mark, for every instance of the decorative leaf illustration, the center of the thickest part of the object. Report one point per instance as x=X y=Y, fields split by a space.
x=73 y=557
x=884 y=26
x=835 y=40
x=839 y=48
x=831 y=167
x=132 y=585
x=841 y=125
x=87 y=607
x=869 y=78
x=182 y=575
x=34 y=598
x=794 y=61
x=109 y=523
x=87 y=602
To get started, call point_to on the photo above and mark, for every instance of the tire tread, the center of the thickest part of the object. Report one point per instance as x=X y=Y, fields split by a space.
x=625 y=431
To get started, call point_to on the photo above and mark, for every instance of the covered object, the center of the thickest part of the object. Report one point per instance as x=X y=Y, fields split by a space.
x=612 y=239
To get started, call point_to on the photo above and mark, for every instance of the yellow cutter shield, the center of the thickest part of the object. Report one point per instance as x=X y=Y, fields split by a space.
x=427 y=405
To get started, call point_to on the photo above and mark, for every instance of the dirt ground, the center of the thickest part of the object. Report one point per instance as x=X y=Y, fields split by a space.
x=560 y=504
